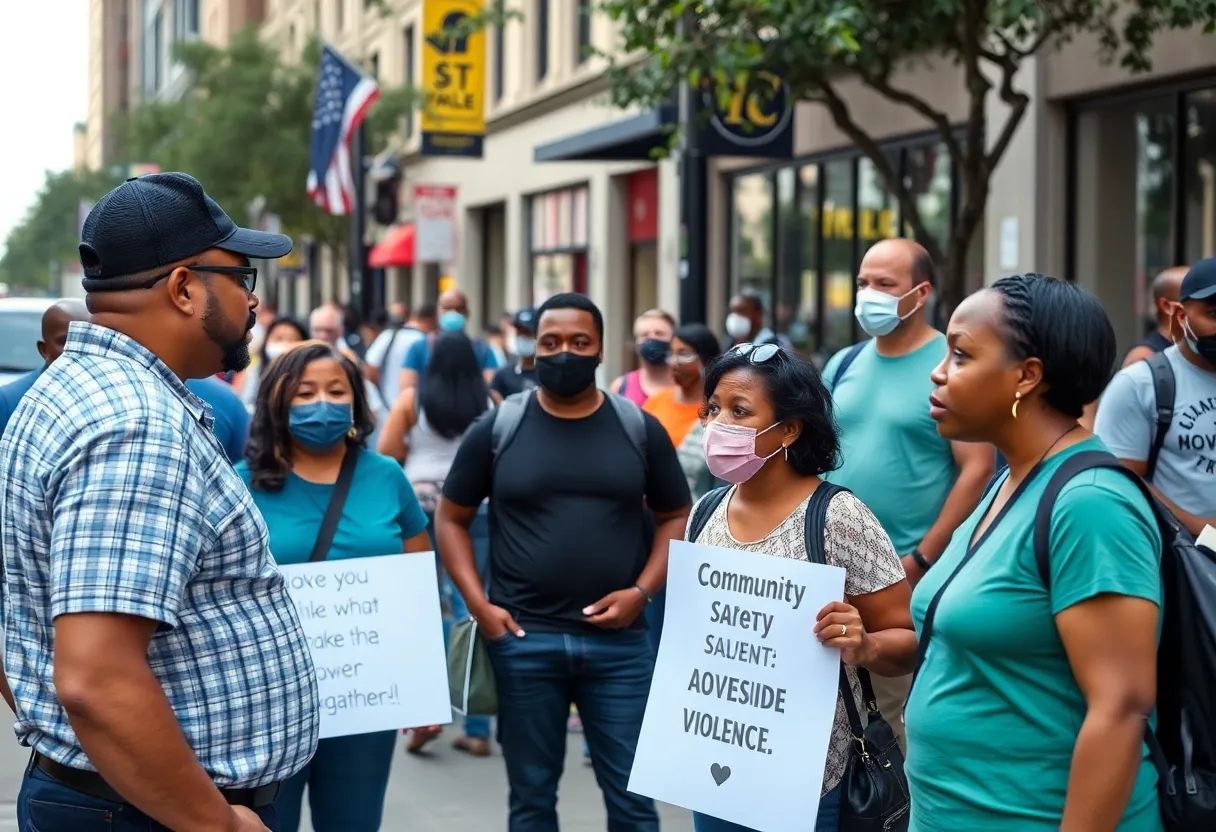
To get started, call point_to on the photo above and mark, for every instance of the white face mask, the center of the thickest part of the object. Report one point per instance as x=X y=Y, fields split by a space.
x=273 y=351
x=525 y=346
x=878 y=313
x=738 y=326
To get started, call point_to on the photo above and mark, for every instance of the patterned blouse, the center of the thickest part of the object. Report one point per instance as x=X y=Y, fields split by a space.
x=853 y=540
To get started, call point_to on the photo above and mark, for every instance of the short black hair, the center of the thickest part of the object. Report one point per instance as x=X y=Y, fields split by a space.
x=427 y=310
x=573 y=300
x=923 y=270
x=796 y=391
x=702 y=339
x=1066 y=328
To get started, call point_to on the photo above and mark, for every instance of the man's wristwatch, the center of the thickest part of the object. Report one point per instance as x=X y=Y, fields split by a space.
x=649 y=598
x=920 y=559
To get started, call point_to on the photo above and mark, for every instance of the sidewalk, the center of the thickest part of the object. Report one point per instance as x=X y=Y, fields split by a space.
x=446 y=791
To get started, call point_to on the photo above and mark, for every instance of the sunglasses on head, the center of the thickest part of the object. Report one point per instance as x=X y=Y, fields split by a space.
x=757 y=353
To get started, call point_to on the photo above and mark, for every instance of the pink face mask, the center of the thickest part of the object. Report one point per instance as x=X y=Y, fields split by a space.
x=730 y=451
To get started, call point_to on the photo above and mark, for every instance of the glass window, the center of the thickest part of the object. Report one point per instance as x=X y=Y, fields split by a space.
x=753 y=237
x=927 y=178
x=410 y=58
x=786 y=317
x=839 y=270
x=877 y=210
x=542 y=39
x=1199 y=177
x=558 y=235
x=584 y=30
x=500 y=45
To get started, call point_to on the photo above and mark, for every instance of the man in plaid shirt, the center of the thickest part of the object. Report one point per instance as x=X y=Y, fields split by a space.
x=156 y=664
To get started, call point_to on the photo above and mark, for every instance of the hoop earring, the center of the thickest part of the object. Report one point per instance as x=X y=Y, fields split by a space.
x=1017 y=400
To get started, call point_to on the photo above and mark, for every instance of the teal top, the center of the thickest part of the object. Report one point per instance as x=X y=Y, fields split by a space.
x=995 y=711
x=381 y=512
x=894 y=460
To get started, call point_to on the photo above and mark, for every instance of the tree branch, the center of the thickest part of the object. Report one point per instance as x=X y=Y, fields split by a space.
x=1017 y=100
x=881 y=83
x=843 y=117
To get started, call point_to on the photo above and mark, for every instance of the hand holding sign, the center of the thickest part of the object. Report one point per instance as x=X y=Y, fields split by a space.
x=839 y=625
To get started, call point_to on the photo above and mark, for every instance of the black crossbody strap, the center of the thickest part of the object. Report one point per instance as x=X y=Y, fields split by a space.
x=337 y=500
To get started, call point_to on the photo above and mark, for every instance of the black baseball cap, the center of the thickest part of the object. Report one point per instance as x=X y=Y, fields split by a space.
x=1200 y=281
x=152 y=221
x=525 y=319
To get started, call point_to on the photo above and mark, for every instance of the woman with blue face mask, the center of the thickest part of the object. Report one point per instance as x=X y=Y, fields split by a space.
x=311 y=413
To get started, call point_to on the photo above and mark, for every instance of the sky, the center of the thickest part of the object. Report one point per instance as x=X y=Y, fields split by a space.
x=44 y=94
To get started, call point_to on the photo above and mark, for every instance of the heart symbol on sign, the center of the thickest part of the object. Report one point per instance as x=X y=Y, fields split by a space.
x=720 y=773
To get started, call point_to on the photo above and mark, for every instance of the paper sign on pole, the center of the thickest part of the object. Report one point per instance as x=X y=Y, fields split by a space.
x=376 y=635
x=744 y=696
x=434 y=223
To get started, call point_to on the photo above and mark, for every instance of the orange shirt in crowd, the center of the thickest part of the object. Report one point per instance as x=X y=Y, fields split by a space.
x=676 y=418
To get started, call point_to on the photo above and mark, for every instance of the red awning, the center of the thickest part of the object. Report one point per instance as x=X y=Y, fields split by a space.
x=396 y=249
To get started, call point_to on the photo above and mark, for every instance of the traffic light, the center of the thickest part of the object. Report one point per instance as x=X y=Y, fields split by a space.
x=386 y=177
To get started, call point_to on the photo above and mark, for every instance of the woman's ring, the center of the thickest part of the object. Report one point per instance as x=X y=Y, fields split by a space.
x=844 y=630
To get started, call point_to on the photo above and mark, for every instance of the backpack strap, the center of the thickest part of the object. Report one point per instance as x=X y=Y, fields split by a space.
x=703 y=510
x=847 y=361
x=632 y=420
x=817 y=520
x=1164 y=391
x=506 y=422
x=1074 y=465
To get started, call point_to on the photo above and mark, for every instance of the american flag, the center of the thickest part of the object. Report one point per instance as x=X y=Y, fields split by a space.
x=344 y=95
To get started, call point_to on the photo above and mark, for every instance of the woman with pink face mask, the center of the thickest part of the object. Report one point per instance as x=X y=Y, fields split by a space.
x=770 y=433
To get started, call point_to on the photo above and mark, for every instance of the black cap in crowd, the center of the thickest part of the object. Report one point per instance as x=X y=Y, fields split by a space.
x=152 y=221
x=525 y=319
x=1200 y=281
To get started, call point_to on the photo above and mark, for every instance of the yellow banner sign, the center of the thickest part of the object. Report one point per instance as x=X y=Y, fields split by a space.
x=453 y=79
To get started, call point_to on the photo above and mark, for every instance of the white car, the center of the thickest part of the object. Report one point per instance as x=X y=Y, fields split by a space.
x=20 y=331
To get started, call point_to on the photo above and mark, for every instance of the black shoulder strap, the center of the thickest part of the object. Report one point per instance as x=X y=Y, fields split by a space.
x=847 y=361
x=1164 y=392
x=817 y=520
x=337 y=500
x=506 y=421
x=703 y=510
x=995 y=479
x=632 y=420
x=1074 y=465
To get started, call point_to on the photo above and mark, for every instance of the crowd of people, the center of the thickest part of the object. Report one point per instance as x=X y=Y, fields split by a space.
x=183 y=440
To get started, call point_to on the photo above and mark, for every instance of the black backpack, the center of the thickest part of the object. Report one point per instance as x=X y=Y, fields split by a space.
x=510 y=413
x=1164 y=391
x=874 y=789
x=1183 y=748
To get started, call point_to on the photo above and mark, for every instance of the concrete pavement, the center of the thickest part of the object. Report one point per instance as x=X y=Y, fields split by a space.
x=444 y=791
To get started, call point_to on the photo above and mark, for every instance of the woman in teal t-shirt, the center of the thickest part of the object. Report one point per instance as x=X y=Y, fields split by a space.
x=310 y=412
x=1029 y=711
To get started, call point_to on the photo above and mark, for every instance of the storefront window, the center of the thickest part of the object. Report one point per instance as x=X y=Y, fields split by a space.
x=1200 y=176
x=1125 y=230
x=800 y=292
x=558 y=243
x=927 y=178
x=877 y=210
x=753 y=238
x=837 y=229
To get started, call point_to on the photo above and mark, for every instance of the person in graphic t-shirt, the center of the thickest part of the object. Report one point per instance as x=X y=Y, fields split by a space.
x=919 y=485
x=1185 y=477
x=1166 y=287
x=521 y=375
x=570 y=573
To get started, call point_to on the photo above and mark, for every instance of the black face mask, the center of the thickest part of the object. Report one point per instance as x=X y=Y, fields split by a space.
x=1204 y=346
x=565 y=374
x=654 y=352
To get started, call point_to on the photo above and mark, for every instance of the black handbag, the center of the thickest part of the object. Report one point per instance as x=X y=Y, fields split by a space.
x=874 y=789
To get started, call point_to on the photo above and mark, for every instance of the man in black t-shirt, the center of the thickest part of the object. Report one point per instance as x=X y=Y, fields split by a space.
x=570 y=573
x=520 y=375
x=1165 y=288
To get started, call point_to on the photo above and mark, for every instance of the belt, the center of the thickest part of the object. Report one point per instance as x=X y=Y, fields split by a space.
x=92 y=784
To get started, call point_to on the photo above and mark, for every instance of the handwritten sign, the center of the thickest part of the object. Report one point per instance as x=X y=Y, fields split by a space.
x=376 y=635
x=743 y=696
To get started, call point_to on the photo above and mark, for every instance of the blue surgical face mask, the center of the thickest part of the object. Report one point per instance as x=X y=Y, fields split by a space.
x=878 y=313
x=525 y=346
x=452 y=321
x=320 y=425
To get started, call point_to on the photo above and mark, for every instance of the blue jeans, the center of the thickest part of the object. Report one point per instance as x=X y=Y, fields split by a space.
x=346 y=781
x=608 y=677
x=477 y=727
x=827 y=821
x=654 y=620
x=46 y=805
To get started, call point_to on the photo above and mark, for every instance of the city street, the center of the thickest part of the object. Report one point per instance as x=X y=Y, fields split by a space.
x=443 y=792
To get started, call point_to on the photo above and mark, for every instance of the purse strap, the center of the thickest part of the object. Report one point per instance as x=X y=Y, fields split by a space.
x=337 y=500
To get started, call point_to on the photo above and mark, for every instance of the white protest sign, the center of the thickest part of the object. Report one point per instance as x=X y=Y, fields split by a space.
x=376 y=635
x=744 y=696
x=434 y=223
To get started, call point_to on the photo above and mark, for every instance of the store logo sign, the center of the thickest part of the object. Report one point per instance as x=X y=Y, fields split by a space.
x=453 y=78
x=755 y=119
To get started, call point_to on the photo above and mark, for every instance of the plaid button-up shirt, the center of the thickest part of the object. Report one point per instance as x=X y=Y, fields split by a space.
x=117 y=498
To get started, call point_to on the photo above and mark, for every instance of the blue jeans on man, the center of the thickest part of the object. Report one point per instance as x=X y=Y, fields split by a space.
x=607 y=676
x=46 y=805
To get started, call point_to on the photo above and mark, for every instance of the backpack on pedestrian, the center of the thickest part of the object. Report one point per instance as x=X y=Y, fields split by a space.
x=510 y=414
x=1183 y=746
x=874 y=789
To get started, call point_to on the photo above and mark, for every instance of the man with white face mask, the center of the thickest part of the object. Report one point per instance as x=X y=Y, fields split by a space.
x=521 y=375
x=745 y=323
x=919 y=485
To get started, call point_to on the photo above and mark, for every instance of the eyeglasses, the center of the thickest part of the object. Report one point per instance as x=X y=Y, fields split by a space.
x=757 y=353
x=246 y=276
